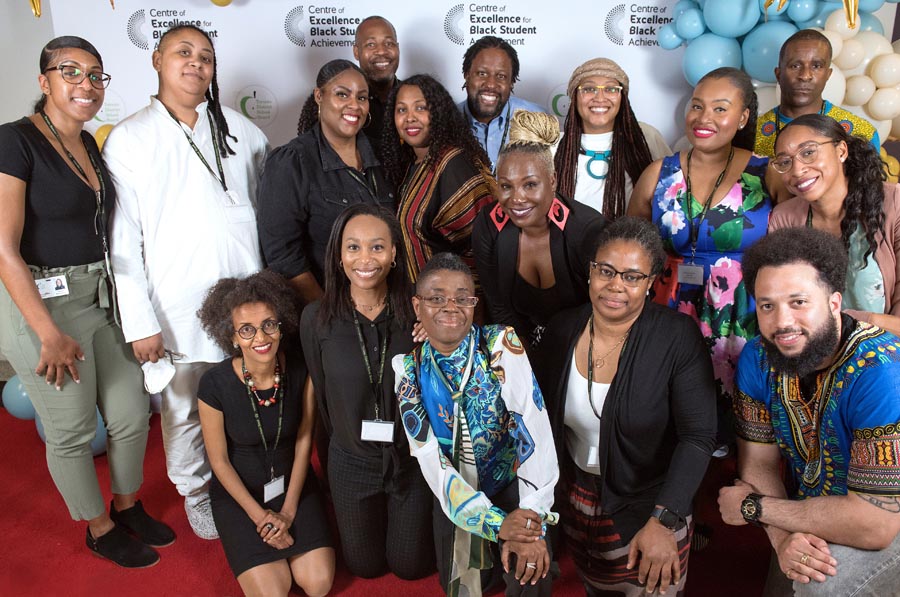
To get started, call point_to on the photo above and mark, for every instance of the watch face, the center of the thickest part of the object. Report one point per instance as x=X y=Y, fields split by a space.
x=668 y=518
x=749 y=509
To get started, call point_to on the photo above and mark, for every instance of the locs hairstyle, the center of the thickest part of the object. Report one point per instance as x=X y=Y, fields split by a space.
x=486 y=43
x=214 y=105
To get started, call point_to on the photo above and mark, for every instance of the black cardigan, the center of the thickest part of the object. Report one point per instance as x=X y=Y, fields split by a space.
x=573 y=235
x=658 y=423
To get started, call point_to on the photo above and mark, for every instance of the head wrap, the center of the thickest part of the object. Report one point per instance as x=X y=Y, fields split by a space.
x=597 y=67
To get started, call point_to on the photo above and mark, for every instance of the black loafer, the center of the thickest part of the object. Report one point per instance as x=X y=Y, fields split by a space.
x=149 y=531
x=121 y=548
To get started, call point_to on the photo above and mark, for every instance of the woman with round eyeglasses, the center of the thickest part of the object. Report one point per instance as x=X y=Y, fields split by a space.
x=837 y=184
x=64 y=344
x=632 y=402
x=258 y=423
x=309 y=181
x=600 y=124
x=381 y=502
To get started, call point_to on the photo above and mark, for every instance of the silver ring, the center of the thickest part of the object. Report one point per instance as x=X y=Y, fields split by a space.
x=269 y=526
x=531 y=565
x=528 y=523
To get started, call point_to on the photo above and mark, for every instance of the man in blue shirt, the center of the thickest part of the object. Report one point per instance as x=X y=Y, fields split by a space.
x=491 y=69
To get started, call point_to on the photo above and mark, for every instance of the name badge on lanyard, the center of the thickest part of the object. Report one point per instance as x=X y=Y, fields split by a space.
x=273 y=488
x=688 y=273
x=377 y=431
x=52 y=287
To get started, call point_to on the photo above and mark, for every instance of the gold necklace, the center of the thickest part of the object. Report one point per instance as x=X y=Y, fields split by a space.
x=600 y=362
x=369 y=308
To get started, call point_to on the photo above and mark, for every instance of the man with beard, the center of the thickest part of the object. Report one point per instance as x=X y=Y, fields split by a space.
x=821 y=392
x=804 y=66
x=378 y=54
x=491 y=69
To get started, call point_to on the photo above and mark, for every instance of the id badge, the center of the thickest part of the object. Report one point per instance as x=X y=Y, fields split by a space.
x=52 y=287
x=377 y=431
x=689 y=273
x=593 y=456
x=273 y=488
x=233 y=197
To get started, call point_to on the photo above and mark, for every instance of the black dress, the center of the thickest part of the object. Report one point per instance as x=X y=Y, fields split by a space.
x=221 y=389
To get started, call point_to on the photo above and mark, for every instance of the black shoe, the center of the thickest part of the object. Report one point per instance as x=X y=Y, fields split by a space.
x=121 y=548
x=149 y=531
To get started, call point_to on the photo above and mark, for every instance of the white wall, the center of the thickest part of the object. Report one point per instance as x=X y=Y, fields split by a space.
x=21 y=38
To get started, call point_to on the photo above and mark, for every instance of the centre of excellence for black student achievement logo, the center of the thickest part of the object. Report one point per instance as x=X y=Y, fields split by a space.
x=292 y=26
x=453 y=25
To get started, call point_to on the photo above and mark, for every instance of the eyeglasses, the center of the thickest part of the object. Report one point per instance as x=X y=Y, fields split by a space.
x=592 y=90
x=439 y=302
x=807 y=155
x=606 y=273
x=74 y=75
x=269 y=327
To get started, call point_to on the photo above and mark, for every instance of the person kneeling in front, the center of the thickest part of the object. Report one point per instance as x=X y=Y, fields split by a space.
x=477 y=424
x=818 y=390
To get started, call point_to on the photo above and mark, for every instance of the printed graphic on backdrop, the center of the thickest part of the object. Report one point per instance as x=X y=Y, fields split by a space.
x=146 y=34
x=636 y=24
x=258 y=104
x=324 y=26
x=465 y=23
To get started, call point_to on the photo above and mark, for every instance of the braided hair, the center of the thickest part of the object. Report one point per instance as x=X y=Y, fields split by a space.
x=447 y=129
x=532 y=133
x=309 y=114
x=745 y=138
x=864 y=171
x=214 y=104
x=630 y=155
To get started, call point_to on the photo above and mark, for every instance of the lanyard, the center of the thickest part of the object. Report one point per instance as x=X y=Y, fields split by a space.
x=375 y=384
x=590 y=363
x=270 y=464
x=695 y=230
x=363 y=179
x=100 y=196
x=503 y=139
x=221 y=178
x=809 y=217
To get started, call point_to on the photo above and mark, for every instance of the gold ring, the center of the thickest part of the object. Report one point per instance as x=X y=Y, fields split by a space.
x=804 y=558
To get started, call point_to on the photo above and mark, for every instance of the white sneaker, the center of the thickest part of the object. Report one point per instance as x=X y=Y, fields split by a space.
x=199 y=514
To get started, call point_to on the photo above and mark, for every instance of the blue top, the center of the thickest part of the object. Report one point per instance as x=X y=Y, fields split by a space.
x=494 y=135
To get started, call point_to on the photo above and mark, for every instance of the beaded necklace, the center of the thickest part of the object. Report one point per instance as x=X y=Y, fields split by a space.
x=251 y=385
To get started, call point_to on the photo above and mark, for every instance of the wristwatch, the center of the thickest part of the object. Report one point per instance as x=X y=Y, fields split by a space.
x=666 y=517
x=751 y=508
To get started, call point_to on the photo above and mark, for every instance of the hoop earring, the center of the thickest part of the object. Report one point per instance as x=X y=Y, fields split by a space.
x=341 y=263
x=393 y=264
x=368 y=120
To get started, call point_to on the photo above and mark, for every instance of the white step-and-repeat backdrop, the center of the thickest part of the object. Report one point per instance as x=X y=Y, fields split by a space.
x=269 y=51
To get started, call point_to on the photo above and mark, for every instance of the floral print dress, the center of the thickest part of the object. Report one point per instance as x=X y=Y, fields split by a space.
x=722 y=306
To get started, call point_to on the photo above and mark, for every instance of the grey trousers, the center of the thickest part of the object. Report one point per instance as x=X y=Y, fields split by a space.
x=110 y=379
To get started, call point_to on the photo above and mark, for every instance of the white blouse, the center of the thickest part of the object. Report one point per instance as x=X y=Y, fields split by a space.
x=582 y=424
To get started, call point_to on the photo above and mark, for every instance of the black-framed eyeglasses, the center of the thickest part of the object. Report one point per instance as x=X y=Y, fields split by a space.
x=270 y=327
x=607 y=273
x=591 y=90
x=74 y=75
x=808 y=153
x=439 y=302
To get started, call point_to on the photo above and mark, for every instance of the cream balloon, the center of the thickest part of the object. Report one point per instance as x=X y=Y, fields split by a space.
x=885 y=70
x=860 y=89
x=836 y=87
x=873 y=45
x=836 y=41
x=884 y=105
x=765 y=96
x=896 y=45
x=851 y=55
x=837 y=22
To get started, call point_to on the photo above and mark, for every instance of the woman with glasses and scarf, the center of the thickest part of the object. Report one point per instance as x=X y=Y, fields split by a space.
x=837 y=184
x=64 y=344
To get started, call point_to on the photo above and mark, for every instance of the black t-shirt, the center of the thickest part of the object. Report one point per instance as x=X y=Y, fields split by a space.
x=60 y=208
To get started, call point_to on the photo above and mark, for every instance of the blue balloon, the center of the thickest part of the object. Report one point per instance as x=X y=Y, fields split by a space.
x=802 y=10
x=818 y=20
x=731 y=18
x=773 y=8
x=681 y=6
x=870 y=5
x=709 y=52
x=761 y=47
x=690 y=24
x=869 y=22
x=667 y=37
x=16 y=400
x=98 y=444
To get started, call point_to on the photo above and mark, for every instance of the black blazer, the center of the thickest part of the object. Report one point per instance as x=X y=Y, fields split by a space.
x=574 y=229
x=658 y=423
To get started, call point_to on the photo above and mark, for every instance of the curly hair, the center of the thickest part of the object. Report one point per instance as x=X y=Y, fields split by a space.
x=446 y=261
x=336 y=303
x=531 y=133
x=787 y=246
x=230 y=293
x=486 y=43
x=864 y=172
x=630 y=155
x=637 y=230
x=745 y=137
x=49 y=53
x=214 y=104
x=309 y=114
x=447 y=129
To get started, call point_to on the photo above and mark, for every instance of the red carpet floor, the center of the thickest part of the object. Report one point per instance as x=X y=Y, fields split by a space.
x=42 y=552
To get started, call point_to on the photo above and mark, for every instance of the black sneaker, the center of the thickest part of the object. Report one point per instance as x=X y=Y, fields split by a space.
x=122 y=549
x=149 y=531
